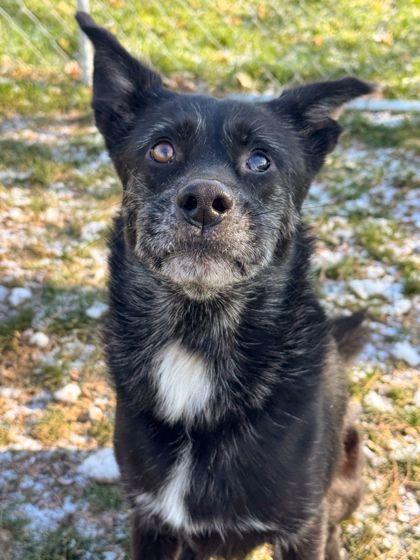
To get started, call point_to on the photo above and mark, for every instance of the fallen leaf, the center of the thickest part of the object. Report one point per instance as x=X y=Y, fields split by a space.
x=245 y=80
x=318 y=40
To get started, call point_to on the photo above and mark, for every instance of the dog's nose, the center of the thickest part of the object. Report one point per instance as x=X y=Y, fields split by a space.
x=204 y=203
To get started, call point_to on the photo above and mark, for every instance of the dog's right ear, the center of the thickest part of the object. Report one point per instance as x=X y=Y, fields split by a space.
x=122 y=85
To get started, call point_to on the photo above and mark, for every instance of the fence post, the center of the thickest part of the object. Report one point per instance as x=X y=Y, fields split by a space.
x=86 y=49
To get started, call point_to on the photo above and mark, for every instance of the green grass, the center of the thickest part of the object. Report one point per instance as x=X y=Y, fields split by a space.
x=12 y=328
x=374 y=236
x=52 y=426
x=224 y=45
x=5 y=434
x=103 y=497
x=14 y=525
x=51 y=376
x=102 y=431
x=411 y=277
x=63 y=544
x=378 y=135
x=67 y=307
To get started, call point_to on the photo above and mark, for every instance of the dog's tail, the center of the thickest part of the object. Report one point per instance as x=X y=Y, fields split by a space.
x=350 y=334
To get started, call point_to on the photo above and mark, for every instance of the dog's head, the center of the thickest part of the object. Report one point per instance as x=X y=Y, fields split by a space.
x=212 y=188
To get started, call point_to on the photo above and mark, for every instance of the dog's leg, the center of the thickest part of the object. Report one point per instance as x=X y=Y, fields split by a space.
x=152 y=545
x=188 y=554
x=311 y=544
x=345 y=492
x=332 y=551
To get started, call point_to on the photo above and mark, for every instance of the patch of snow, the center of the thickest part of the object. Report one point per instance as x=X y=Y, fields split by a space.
x=10 y=392
x=386 y=118
x=101 y=466
x=378 y=402
x=403 y=450
x=325 y=258
x=398 y=307
x=87 y=529
x=109 y=555
x=375 y=271
x=19 y=295
x=41 y=520
x=8 y=174
x=92 y=230
x=69 y=393
x=18 y=410
x=69 y=506
x=405 y=351
x=23 y=443
x=40 y=401
x=366 y=288
x=97 y=310
x=3 y=293
x=39 y=339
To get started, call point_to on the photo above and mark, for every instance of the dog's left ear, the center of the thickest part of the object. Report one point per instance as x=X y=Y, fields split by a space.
x=122 y=85
x=312 y=108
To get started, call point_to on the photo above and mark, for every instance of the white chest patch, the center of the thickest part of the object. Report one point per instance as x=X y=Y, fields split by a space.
x=183 y=384
x=169 y=503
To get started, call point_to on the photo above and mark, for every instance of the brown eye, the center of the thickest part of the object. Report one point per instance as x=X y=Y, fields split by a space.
x=163 y=152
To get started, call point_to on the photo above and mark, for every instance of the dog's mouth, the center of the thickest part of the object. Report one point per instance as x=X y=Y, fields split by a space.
x=204 y=260
x=209 y=270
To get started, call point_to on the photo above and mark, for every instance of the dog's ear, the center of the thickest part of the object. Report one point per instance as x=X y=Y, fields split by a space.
x=122 y=85
x=313 y=108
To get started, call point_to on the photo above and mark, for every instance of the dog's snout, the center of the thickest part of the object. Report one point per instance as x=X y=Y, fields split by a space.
x=204 y=203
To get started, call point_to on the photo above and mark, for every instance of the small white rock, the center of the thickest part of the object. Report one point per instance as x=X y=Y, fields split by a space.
x=10 y=392
x=96 y=310
x=101 y=466
x=404 y=351
x=376 y=401
x=51 y=215
x=69 y=393
x=374 y=271
x=19 y=295
x=402 y=306
x=95 y=413
x=39 y=339
x=23 y=443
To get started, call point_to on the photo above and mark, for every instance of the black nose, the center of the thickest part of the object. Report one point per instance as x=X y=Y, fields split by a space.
x=204 y=203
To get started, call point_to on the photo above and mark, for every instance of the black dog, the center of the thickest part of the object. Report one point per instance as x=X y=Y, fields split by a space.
x=231 y=423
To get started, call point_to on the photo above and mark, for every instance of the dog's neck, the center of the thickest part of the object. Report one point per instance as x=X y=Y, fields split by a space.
x=210 y=350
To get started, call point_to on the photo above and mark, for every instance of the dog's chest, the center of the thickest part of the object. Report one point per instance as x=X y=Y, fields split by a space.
x=171 y=503
x=183 y=384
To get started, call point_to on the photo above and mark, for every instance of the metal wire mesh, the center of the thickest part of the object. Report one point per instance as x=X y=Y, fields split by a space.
x=223 y=45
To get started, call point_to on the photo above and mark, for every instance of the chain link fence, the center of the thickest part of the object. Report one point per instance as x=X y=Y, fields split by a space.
x=242 y=46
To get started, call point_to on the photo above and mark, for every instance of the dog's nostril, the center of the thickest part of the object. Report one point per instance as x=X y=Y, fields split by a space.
x=221 y=204
x=189 y=203
x=204 y=203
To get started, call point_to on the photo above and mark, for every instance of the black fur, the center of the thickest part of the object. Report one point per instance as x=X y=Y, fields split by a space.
x=255 y=461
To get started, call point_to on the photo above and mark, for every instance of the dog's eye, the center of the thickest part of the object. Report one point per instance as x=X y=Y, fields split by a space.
x=258 y=162
x=163 y=152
